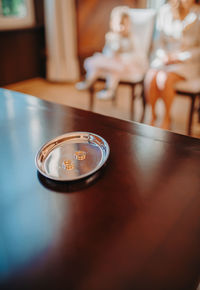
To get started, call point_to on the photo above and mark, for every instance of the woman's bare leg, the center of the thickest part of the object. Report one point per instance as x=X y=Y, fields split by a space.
x=151 y=92
x=168 y=93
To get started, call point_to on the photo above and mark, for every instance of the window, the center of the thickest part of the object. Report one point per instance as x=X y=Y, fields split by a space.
x=16 y=14
x=155 y=4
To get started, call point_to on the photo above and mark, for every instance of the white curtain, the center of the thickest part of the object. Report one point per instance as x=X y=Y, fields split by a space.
x=61 y=41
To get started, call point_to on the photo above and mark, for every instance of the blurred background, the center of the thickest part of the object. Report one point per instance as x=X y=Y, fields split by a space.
x=23 y=51
x=43 y=44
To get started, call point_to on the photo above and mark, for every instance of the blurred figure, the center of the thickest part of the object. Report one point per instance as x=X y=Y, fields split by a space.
x=120 y=58
x=177 y=54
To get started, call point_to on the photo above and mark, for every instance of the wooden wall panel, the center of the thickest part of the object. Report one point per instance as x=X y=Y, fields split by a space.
x=21 y=55
x=22 y=51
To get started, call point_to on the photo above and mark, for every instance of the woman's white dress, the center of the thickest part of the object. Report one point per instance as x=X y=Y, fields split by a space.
x=181 y=37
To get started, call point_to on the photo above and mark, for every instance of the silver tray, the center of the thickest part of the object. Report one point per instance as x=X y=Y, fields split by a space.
x=72 y=156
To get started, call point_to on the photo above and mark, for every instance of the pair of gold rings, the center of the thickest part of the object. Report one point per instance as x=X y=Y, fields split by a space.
x=79 y=155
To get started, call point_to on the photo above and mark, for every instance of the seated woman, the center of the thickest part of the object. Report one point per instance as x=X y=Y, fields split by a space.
x=177 y=56
x=120 y=59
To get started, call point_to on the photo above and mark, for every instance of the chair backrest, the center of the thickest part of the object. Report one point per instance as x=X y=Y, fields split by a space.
x=143 y=22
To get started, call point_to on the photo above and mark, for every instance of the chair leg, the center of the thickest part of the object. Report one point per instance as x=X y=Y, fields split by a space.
x=144 y=104
x=114 y=99
x=132 y=101
x=199 y=110
x=193 y=97
x=91 y=101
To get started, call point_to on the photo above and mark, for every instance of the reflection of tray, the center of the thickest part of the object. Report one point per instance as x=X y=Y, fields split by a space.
x=72 y=156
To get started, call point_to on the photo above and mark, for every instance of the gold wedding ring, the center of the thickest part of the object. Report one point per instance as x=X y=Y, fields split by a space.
x=80 y=155
x=67 y=164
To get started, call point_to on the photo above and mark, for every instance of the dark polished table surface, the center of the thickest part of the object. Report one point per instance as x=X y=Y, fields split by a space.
x=134 y=225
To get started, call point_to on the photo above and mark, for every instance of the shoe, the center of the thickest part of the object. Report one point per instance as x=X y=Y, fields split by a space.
x=105 y=95
x=81 y=86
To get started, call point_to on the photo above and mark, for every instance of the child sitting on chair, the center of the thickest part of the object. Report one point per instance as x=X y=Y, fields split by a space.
x=120 y=59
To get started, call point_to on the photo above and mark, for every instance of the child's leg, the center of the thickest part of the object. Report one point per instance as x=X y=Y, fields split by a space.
x=92 y=73
x=112 y=82
x=90 y=78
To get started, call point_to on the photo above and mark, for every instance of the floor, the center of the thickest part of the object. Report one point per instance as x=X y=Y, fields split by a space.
x=67 y=94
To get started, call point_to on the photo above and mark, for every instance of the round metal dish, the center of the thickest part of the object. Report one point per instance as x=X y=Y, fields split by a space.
x=72 y=156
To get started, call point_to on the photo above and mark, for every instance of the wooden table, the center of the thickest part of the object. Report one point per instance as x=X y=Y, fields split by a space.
x=136 y=226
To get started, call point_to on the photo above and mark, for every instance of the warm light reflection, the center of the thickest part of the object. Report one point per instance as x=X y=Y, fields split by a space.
x=53 y=164
x=149 y=157
x=35 y=131
x=9 y=104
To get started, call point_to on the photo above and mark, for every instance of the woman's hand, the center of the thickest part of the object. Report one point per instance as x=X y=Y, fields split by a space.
x=171 y=59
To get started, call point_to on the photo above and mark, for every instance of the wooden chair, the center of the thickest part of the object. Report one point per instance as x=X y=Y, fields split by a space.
x=143 y=21
x=190 y=89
